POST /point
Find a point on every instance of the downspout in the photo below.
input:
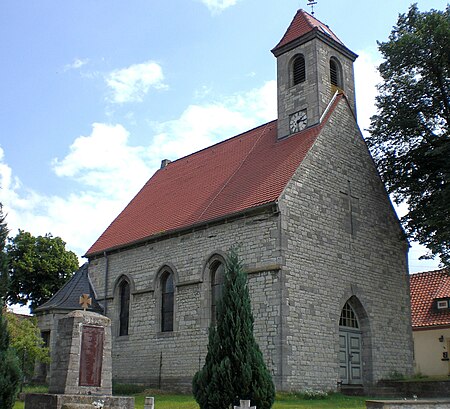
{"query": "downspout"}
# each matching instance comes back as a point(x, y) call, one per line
point(282, 297)
point(105, 292)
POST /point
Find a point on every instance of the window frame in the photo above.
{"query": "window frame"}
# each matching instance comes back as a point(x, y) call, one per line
point(216, 287)
point(298, 72)
point(124, 307)
point(348, 315)
point(336, 78)
point(167, 302)
point(442, 304)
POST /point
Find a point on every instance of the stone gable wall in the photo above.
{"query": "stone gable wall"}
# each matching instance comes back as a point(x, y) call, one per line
point(304, 263)
point(326, 264)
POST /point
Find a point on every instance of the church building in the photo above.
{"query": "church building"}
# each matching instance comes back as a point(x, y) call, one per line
point(302, 201)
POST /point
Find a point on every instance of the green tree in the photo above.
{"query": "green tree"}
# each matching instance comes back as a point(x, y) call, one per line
point(3, 258)
point(38, 267)
point(409, 135)
point(10, 373)
point(25, 338)
point(234, 367)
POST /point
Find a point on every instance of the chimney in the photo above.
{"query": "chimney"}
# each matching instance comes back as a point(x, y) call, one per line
point(164, 163)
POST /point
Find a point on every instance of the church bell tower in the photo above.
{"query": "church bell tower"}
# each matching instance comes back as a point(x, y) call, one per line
point(312, 65)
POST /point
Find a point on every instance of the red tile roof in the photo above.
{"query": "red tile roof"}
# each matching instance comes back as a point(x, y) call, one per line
point(302, 24)
point(425, 289)
point(238, 174)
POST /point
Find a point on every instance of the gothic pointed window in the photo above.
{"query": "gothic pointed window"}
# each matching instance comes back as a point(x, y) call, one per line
point(217, 279)
point(167, 302)
point(298, 70)
point(124, 314)
point(348, 317)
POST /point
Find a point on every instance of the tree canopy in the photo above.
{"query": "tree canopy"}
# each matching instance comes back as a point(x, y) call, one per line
point(3, 258)
point(38, 267)
point(234, 367)
point(10, 373)
point(409, 135)
point(25, 338)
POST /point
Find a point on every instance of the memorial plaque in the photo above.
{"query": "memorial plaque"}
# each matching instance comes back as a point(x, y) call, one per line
point(91, 355)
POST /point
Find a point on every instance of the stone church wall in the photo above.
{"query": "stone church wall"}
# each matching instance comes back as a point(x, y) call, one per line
point(334, 238)
point(335, 251)
point(170, 359)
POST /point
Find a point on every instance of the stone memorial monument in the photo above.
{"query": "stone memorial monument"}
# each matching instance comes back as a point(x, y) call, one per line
point(81, 371)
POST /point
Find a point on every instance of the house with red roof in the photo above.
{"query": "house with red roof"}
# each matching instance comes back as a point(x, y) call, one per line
point(430, 309)
point(301, 200)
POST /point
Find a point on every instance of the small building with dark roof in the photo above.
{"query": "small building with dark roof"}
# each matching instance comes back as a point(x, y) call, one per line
point(430, 309)
point(67, 299)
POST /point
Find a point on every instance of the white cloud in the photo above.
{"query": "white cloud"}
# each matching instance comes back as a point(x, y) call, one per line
point(76, 64)
point(107, 171)
point(202, 125)
point(366, 80)
point(217, 6)
point(131, 84)
point(105, 162)
point(104, 171)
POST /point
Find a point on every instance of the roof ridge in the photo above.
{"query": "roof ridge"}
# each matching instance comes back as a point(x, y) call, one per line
point(220, 142)
point(441, 270)
point(67, 285)
point(234, 173)
point(311, 17)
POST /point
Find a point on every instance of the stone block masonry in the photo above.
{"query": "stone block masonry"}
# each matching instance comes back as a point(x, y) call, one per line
point(331, 238)
point(174, 357)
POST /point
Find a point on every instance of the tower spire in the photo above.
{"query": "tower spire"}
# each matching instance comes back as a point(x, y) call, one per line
point(312, 3)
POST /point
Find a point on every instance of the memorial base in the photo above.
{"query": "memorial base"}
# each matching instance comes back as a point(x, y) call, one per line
point(57, 401)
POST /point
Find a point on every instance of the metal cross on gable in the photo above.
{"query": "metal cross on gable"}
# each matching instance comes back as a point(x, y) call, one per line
point(85, 301)
point(311, 3)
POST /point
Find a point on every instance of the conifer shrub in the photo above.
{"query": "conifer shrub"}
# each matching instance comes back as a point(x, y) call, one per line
point(10, 374)
point(234, 368)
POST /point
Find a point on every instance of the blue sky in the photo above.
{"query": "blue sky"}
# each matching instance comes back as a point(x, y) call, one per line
point(95, 93)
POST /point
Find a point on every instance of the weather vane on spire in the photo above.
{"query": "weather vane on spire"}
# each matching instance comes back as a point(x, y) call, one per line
point(311, 3)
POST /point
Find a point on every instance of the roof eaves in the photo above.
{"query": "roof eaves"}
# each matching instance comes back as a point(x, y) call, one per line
point(315, 32)
point(202, 224)
point(424, 327)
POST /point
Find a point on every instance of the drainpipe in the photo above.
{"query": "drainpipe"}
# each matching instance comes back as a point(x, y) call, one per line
point(282, 297)
point(106, 282)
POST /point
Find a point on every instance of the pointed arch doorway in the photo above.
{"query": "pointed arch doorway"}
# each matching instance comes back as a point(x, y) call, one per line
point(350, 347)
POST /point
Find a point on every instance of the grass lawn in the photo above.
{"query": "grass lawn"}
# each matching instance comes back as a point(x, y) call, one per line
point(282, 401)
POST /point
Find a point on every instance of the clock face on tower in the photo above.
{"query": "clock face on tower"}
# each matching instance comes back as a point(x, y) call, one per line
point(298, 121)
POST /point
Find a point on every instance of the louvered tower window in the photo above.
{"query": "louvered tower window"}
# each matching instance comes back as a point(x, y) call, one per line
point(335, 73)
point(298, 70)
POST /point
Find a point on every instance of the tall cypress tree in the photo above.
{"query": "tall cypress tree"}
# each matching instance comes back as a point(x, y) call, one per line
point(234, 367)
point(10, 374)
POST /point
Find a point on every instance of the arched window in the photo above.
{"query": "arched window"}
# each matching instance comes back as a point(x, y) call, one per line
point(298, 70)
point(217, 279)
point(167, 300)
point(335, 73)
point(124, 314)
point(348, 317)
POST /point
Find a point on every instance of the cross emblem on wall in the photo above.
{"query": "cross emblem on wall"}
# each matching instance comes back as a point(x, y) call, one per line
point(85, 301)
